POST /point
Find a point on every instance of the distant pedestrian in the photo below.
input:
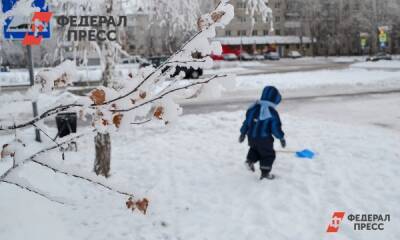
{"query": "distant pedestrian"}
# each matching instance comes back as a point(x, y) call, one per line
point(261, 125)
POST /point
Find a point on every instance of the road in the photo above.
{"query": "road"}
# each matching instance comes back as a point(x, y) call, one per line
point(379, 110)
point(296, 65)
point(246, 68)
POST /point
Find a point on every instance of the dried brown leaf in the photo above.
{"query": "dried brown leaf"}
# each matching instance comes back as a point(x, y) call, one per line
point(158, 112)
point(142, 205)
point(3, 151)
point(117, 119)
point(98, 96)
point(216, 16)
point(104, 122)
point(142, 94)
point(130, 204)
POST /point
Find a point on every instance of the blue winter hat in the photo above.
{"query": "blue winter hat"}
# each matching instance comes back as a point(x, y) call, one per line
point(271, 94)
point(269, 98)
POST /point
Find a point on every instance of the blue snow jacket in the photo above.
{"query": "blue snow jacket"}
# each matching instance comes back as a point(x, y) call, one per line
point(262, 119)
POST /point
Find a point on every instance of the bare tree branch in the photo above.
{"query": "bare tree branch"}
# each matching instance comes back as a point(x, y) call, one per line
point(2, 177)
point(33, 191)
point(83, 178)
point(143, 122)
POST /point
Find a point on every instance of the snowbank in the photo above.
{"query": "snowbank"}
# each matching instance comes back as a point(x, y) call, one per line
point(352, 77)
point(198, 187)
point(394, 64)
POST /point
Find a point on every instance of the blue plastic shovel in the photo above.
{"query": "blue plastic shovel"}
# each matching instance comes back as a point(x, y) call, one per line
point(306, 153)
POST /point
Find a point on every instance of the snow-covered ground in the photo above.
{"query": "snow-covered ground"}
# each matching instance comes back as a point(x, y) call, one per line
point(194, 176)
point(193, 172)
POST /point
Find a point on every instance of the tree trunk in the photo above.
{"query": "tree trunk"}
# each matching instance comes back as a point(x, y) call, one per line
point(103, 154)
point(102, 141)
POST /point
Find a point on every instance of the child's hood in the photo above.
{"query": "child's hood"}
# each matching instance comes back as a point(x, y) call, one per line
point(271, 94)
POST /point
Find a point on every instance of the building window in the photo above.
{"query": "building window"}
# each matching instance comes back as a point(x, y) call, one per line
point(228, 33)
point(255, 33)
point(278, 32)
point(278, 5)
point(242, 33)
point(242, 19)
point(277, 19)
point(266, 32)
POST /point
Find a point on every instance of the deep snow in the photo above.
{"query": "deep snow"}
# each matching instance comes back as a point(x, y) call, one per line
point(198, 187)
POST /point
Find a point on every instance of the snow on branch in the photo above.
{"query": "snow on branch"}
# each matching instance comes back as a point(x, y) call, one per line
point(262, 9)
point(194, 53)
point(161, 96)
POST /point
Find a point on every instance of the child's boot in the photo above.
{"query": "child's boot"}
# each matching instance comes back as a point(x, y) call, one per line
point(250, 165)
point(266, 174)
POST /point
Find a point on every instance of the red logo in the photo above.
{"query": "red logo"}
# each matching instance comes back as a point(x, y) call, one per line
point(337, 218)
point(39, 21)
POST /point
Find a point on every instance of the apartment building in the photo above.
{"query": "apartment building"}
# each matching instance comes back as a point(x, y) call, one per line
point(254, 34)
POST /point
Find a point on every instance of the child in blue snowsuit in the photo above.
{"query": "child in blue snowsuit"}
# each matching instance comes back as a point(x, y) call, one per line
point(261, 124)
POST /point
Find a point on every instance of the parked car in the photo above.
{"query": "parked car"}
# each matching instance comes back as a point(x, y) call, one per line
point(136, 60)
point(274, 56)
point(258, 57)
point(4, 68)
point(217, 57)
point(295, 54)
point(230, 57)
point(157, 61)
point(190, 73)
point(245, 56)
point(380, 56)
